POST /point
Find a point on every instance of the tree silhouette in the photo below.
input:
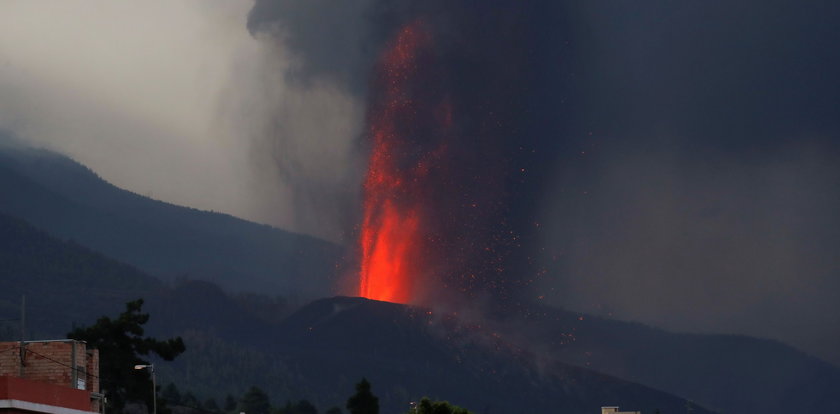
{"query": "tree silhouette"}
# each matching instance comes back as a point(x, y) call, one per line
point(254, 401)
point(121, 343)
point(211, 405)
point(230, 404)
point(428, 406)
point(171, 395)
point(363, 402)
point(305, 407)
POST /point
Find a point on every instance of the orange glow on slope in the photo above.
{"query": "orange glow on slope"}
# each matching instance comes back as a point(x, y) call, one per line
point(390, 238)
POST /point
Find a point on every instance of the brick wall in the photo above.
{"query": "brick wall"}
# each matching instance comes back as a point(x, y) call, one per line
point(52, 362)
point(92, 368)
point(9, 358)
point(93, 383)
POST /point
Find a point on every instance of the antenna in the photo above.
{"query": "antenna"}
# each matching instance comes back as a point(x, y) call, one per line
point(22, 318)
point(22, 334)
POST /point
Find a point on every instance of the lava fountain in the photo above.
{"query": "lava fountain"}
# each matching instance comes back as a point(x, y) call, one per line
point(392, 240)
point(436, 201)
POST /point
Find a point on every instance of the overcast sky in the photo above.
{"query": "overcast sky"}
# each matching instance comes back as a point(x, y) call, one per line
point(694, 176)
point(170, 100)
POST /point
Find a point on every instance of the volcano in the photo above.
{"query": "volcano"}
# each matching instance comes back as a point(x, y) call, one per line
point(541, 360)
point(410, 352)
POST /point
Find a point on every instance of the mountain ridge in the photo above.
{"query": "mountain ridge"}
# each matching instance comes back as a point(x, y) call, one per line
point(412, 352)
point(69, 200)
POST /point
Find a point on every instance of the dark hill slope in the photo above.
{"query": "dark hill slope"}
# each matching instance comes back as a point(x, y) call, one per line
point(727, 373)
point(408, 352)
point(63, 281)
point(68, 200)
point(66, 284)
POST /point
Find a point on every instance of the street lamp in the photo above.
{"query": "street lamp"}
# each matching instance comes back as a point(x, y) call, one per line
point(151, 368)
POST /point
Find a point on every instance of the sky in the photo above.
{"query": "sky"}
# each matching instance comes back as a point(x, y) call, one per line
point(173, 100)
point(681, 163)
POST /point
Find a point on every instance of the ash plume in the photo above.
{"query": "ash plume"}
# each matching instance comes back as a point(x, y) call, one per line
point(627, 159)
point(473, 96)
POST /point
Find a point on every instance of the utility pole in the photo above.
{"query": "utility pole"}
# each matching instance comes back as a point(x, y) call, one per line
point(151, 368)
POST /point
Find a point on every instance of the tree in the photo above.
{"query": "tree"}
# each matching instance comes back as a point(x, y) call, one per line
point(287, 409)
point(254, 401)
point(428, 406)
point(334, 410)
point(189, 400)
point(121, 343)
point(363, 402)
point(211, 405)
point(171, 395)
point(305, 407)
point(300, 407)
point(230, 404)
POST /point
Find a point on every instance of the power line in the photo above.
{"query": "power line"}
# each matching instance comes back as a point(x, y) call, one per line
point(102, 381)
point(77, 369)
point(10, 349)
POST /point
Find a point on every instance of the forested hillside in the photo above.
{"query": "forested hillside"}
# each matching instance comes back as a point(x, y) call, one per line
point(68, 200)
point(64, 283)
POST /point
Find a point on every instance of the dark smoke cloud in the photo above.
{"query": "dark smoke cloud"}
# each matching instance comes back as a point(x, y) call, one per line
point(705, 198)
point(663, 161)
point(333, 40)
point(479, 199)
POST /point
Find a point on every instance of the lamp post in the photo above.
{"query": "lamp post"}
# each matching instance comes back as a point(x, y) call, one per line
point(151, 368)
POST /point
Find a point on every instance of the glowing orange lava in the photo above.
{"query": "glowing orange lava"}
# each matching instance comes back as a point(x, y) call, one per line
point(391, 239)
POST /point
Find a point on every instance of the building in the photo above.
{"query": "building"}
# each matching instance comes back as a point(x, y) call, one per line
point(614, 410)
point(54, 377)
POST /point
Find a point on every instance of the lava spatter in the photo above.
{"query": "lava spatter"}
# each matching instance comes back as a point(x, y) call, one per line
point(391, 241)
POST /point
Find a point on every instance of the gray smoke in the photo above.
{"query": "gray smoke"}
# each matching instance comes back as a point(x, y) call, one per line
point(703, 195)
point(178, 101)
point(713, 244)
